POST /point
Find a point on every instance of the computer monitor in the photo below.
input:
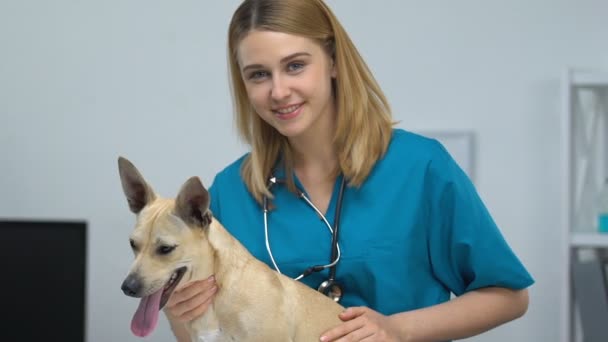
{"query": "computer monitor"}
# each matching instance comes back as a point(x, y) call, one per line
point(43, 271)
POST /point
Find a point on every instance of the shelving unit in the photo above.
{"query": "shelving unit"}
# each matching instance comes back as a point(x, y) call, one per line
point(588, 240)
point(585, 166)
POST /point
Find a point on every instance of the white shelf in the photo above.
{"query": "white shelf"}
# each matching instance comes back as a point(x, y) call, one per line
point(584, 158)
point(589, 240)
point(582, 78)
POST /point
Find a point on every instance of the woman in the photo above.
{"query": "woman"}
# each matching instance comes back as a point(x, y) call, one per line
point(412, 228)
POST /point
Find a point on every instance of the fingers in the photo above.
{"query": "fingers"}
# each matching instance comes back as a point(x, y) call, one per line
point(342, 330)
point(192, 300)
point(363, 334)
point(190, 290)
point(352, 312)
point(360, 324)
point(370, 338)
point(197, 309)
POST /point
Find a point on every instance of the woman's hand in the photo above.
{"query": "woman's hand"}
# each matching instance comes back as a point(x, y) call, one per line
point(191, 301)
point(362, 324)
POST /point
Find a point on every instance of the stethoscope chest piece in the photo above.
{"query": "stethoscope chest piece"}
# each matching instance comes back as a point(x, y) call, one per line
point(331, 289)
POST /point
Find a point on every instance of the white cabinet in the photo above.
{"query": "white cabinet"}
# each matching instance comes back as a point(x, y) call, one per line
point(585, 166)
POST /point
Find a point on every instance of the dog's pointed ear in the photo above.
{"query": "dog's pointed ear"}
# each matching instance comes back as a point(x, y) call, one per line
point(137, 191)
point(192, 203)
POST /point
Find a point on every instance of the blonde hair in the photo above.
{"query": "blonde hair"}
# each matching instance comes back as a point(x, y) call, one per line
point(363, 122)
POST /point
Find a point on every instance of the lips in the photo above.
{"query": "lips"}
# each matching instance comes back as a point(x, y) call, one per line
point(288, 112)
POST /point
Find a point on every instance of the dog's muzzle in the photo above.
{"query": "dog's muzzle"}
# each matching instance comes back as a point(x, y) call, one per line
point(132, 286)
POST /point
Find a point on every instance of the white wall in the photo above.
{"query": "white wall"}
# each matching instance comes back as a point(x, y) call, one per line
point(83, 82)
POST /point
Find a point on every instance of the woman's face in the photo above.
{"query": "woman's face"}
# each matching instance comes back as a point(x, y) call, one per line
point(288, 81)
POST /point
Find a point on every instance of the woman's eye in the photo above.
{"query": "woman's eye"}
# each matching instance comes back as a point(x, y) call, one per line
point(256, 75)
point(164, 250)
point(295, 66)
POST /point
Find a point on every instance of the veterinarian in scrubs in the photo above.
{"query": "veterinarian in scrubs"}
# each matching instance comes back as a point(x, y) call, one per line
point(413, 229)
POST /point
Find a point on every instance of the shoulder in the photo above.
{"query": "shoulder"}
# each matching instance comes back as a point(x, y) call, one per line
point(228, 183)
point(413, 159)
point(408, 148)
point(227, 188)
point(231, 173)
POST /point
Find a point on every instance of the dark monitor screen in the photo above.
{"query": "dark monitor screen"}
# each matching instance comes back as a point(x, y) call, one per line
point(43, 267)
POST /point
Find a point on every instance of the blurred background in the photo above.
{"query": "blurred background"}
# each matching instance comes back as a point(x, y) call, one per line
point(82, 82)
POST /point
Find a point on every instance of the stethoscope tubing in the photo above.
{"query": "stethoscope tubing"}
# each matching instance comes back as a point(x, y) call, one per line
point(334, 257)
point(335, 251)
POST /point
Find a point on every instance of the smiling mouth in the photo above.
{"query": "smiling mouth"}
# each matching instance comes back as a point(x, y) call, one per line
point(285, 113)
point(287, 110)
point(170, 285)
point(145, 318)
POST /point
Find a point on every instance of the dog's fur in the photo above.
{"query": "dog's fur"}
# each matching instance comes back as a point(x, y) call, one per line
point(253, 302)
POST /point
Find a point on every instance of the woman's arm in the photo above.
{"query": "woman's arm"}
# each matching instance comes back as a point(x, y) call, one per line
point(468, 315)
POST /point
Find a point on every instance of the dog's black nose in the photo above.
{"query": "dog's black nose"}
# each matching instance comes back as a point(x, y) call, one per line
point(131, 286)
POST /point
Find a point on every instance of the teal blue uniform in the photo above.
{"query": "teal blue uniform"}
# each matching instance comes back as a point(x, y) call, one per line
point(412, 233)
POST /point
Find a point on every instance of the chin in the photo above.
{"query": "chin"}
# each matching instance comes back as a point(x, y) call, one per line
point(291, 130)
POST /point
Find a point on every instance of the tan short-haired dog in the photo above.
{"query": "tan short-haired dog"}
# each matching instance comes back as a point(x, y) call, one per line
point(176, 239)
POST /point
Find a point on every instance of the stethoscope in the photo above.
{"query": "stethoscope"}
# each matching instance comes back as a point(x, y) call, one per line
point(330, 287)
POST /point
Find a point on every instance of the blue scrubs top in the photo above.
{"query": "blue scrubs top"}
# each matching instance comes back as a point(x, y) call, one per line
point(415, 231)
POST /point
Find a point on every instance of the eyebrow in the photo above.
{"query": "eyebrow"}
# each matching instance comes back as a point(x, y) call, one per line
point(163, 241)
point(283, 60)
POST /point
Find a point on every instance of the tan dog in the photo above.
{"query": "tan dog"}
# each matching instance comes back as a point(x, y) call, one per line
point(177, 239)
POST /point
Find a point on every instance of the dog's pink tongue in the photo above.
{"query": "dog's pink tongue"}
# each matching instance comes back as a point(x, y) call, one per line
point(146, 316)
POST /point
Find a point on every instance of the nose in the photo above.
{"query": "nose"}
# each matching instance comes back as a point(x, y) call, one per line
point(280, 89)
point(132, 286)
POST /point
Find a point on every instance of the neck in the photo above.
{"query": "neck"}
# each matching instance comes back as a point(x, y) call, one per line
point(228, 254)
point(315, 148)
point(316, 156)
point(211, 257)
point(226, 260)
point(204, 266)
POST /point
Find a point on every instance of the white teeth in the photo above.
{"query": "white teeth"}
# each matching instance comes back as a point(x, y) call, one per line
point(171, 280)
point(288, 109)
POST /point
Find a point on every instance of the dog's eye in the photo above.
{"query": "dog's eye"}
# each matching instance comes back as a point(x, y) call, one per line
point(164, 250)
point(133, 246)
